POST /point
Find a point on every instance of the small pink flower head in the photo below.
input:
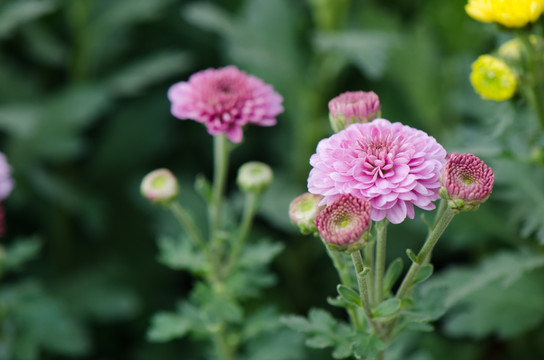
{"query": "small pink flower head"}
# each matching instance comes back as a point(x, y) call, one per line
point(353, 107)
point(303, 211)
point(466, 182)
point(160, 187)
point(389, 164)
point(225, 100)
point(343, 223)
point(6, 181)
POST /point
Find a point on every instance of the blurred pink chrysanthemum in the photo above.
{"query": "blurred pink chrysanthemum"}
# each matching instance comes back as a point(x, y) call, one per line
point(6, 181)
point(389, 164)
point(6, 185)
point(343, 222)
point(353, 107)
point(225, 100)
point(466, 181)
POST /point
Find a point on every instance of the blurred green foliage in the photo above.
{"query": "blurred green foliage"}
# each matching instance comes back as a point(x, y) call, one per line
point(83, 116)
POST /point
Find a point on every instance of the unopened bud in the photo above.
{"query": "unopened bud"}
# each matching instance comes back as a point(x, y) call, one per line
point(344, 222)
point(303, 210)
point(353, 107)
point(254, 177)
point(160, 187)
point(466, 182)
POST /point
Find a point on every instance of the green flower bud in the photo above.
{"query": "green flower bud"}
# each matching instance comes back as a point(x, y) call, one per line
point(254, 177)
point(303, 210)
point(160, 187)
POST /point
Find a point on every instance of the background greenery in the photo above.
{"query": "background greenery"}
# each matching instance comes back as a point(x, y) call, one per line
point(84, 116)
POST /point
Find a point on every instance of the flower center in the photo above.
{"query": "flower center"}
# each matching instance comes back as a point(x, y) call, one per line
point(377, 157)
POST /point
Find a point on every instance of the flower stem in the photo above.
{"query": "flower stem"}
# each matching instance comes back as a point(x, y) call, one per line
point(381, 245)
point(250, 209)
point(425, 252)
point(362, 273)
point(345, 278)
point(221, 161)
point(188, 225)
point(223, 350)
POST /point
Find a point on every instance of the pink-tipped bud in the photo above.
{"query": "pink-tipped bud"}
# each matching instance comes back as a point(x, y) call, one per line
point(160, 187)
point(303, 211)
point(466, 182)
point(343, 223)
point(353, 107)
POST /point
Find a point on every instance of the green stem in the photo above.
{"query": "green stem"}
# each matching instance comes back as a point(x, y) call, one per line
point(345, 278)
point(369, 254)
point(440, 212)
point(250, 209)
point(535, 68)
point(221, 161)
point(188, 225)
point(362, 273)
point(425, 252)
point(381, 245)
point(223, 350)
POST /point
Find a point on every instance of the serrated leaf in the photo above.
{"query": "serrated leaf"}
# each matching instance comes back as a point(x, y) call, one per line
point(392, 274)
point(181, 254)
point(387, 308)
point(297, 323)
point(424, 273)
point(166, 326)
point(259, 254)
point(349, 295)
point(368, 346)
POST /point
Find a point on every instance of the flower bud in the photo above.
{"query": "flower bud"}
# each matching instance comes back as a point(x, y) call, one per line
point(160, 187)
point(466, 182)
point(254, 177)
point(343, 223)
point(492, 78)
point(303, 211)
point(353, 107)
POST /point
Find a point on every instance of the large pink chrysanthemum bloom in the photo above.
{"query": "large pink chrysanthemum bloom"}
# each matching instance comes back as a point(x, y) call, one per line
point(225, 100)
point(343, 223)
point(466, 182)
point(391, 165)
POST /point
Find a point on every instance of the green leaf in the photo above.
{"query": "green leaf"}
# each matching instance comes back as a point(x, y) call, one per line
point(499, 309)
point(424, 273)
point(297, 323)
point(181, 254)
point(259, 254)
point(210, 17)
point(14, 14)
point(392, 274)
point(166, 326)
point(349, 295)
point(368, 346)
point(412, 255)
point(20, 252)
point(282, 344)
point(387, 308)
point(367, 49)
point(204, 188)
point(135, 77)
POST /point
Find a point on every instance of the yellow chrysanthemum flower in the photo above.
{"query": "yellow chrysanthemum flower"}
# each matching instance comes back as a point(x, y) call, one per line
point(510, 13)
point(492, 78)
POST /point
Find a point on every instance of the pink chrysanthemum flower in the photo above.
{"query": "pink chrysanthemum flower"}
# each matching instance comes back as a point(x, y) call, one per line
point(353, 107)
point(466, 182)
point(225, 100)
point(343, 223)
point(6, 185)
point(6, 181)
point(391, 165)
